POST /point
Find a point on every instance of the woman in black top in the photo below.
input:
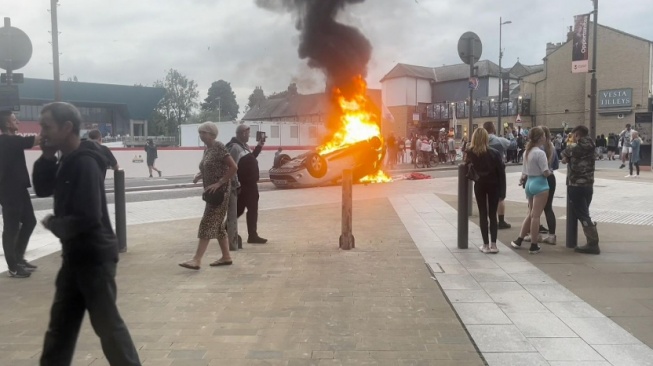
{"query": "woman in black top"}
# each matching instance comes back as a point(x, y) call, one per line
point(490, 187)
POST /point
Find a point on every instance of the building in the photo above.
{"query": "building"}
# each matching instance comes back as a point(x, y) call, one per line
point(115, 110)
point(422, 99)
point(624, 83)
point(294, 119)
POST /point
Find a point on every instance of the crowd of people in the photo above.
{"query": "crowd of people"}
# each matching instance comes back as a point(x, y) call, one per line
point(72, 171)
point(422, 150)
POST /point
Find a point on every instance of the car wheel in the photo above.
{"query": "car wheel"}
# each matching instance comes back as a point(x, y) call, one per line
point(316, 165)
point(281, 160)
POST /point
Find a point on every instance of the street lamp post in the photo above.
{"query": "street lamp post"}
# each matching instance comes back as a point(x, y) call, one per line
point(501, 23)
point(593, 71)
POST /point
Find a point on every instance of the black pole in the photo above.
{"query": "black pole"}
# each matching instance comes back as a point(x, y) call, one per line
point(9, 71)
point(593, 81)
point(463, 218)
point(121, 209)
point(469, 128)
point(55, 50)
point(572, 225)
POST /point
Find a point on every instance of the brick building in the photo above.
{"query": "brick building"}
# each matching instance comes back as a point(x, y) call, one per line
point(625, 69)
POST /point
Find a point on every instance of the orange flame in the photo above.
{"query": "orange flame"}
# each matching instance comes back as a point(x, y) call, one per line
point(358, 123)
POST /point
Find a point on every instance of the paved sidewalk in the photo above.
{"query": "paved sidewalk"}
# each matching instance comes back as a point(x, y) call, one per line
point(297, 301)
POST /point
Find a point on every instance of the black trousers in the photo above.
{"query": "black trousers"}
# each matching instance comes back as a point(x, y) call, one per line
point(89, 287)
point(487, 200)
point(18, 224)
point(248, 199)
point(581, 198)
point(548, 209)
point(630, 166)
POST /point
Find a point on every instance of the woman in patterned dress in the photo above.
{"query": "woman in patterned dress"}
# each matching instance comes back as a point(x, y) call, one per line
point(216, 170)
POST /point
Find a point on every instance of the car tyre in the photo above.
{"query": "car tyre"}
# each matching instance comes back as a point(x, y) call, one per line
point(316, 165)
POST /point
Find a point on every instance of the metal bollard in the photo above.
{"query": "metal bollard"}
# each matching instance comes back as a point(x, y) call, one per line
point(463, 215)
point(347, 240)
point(572, 224)
point(121, 209)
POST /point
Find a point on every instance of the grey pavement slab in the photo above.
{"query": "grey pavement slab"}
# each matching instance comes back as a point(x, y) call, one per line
point(298, 300)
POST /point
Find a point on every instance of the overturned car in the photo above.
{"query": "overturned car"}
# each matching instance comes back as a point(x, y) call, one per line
point(312, 169)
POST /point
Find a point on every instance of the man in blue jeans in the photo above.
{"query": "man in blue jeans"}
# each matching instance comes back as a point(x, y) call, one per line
point(17, 211)
point(579, 157)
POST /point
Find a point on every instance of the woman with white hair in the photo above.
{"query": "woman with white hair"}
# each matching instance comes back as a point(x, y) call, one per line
point(216, 170)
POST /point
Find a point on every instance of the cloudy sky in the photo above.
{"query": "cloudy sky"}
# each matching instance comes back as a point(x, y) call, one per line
point(131, 42)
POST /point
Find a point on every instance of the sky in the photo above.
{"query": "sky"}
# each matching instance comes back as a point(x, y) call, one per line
point(135, 42)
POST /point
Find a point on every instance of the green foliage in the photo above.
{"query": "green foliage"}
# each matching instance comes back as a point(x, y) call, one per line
point(257, 97)
point(221, 99)
point(177, 105)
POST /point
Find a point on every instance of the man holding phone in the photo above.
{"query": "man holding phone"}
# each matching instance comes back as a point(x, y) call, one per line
point(247, 183)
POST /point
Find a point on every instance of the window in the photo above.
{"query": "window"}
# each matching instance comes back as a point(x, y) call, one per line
point(274, 132)
point(294, 132)
point(312, 132)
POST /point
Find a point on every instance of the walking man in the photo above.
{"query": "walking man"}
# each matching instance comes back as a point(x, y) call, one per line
point(626, 149)
point(248, 176)
point(500, 144)
point(152, 155)
point(579, 157)
point(17, 211)
point(86, 280)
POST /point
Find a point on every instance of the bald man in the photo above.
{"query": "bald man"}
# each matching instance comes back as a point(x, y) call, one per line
point(247, 183)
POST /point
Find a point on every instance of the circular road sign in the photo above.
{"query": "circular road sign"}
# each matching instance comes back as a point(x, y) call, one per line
point(15, 48)
point(470, 48)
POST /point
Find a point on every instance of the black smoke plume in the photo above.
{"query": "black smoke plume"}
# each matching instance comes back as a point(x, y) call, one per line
point(341, 51)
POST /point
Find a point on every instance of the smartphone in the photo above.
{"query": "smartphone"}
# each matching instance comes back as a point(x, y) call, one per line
point(260, 136)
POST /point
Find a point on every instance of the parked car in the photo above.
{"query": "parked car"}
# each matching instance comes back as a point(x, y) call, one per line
point(312, 169)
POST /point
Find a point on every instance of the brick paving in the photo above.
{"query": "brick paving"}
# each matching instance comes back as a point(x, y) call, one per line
point(296, 301)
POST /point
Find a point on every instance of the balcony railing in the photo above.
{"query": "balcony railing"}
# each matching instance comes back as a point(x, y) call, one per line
point(481, 108)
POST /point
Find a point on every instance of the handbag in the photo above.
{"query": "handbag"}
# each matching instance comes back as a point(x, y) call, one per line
point(215, 198)
point(472, 174)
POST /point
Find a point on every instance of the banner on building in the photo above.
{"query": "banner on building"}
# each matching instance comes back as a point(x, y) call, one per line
point(580, 46)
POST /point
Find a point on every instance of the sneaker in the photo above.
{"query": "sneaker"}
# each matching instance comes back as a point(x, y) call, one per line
point(622, 166)
point(256, 240)
point(543, 230)
point(627, 176)
point(529, 239)
point(27, 265)
point(485, 249)
point(20, 272)
point(503, 225)
point(160, 173)
point(494, 249)
point(549, 239)
point(636, 176)
point(516, 243)
point(534, 249)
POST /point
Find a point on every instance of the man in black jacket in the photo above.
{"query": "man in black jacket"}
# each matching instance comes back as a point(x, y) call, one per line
point(86, 280)
point(248, 175)
point(17, 211)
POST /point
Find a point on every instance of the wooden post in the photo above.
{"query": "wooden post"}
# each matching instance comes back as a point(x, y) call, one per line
point(347, 240)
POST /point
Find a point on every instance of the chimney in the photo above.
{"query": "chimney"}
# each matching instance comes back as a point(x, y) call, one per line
point(570, 34)
point(550, 47)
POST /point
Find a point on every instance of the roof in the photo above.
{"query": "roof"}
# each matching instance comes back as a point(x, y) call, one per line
point(520, 70)
point(486, 68)
point(297, 105)
point(139, 101)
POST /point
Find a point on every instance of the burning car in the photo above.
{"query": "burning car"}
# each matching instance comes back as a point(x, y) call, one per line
point(316, 169)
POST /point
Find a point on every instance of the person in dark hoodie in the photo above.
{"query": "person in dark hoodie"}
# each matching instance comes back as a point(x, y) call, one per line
point(579, 157)
point(248, 176)
point(86, 280)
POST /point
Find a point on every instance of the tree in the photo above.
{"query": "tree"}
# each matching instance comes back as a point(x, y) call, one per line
point(222, 99)
point(177, 105)
point(257, 97)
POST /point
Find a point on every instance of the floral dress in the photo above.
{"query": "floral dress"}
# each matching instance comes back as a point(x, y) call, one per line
point(213, 168)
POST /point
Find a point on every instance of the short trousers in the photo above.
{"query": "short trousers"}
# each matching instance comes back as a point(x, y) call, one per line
point(536, 185)
point(626, 150)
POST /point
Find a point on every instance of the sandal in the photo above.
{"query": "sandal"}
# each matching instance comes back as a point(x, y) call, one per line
point(221, 262)
point(191, 264)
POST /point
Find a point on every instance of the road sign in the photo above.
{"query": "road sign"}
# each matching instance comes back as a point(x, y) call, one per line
point(9, 100)
point(15, 78)
point(15, 47)
point(473, 83)
point(470, 48)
